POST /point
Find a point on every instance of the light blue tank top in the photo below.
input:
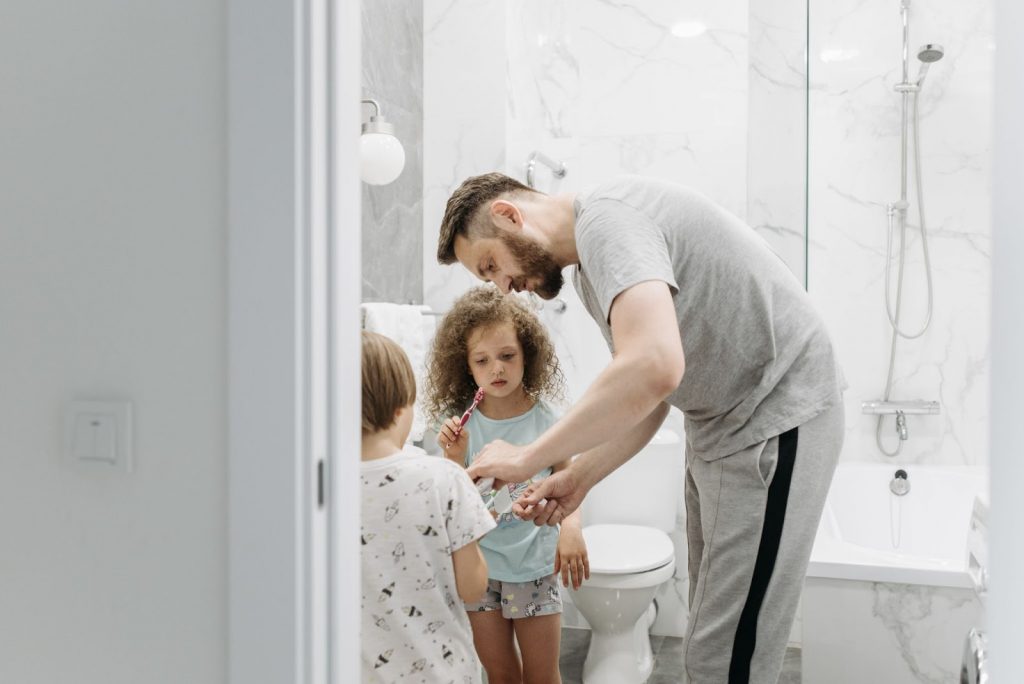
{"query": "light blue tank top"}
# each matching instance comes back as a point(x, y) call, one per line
point(516, 550)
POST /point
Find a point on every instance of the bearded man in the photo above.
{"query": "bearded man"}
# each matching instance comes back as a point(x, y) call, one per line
point(699, 314)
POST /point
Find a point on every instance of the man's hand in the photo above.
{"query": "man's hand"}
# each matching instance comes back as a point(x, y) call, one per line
point(503, 461)
point(551, 500)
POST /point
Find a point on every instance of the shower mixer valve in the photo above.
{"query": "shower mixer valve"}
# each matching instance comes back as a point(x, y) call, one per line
point(901, 425)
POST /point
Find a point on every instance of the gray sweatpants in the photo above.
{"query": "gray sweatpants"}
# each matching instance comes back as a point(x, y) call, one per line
point(751, 519)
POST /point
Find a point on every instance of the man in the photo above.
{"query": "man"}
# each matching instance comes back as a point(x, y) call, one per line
point(701, 315)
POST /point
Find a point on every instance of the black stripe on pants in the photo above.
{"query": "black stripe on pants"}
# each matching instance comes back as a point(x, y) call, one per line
point(767, 551)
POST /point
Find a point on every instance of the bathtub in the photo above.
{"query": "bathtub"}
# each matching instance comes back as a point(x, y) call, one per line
point(887, 596)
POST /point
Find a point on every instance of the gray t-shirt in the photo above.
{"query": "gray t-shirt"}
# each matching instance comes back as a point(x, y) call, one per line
point(758, 358)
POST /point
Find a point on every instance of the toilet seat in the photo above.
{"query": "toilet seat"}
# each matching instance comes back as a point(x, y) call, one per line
point(626, 549)
point(627, 557)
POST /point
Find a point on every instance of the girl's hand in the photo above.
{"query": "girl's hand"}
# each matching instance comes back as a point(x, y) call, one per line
point(454, 447)
point(571, 555)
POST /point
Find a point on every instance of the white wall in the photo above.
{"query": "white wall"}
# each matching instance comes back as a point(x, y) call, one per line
point(112, 284)
point(1006, 600)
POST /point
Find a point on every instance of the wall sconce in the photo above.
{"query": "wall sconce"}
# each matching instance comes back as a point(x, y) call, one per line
point(381, 155)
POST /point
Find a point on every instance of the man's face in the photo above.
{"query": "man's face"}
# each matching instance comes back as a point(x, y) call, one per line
point(512, 262)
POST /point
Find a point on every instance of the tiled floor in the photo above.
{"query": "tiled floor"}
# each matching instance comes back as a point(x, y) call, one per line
point(668, 659)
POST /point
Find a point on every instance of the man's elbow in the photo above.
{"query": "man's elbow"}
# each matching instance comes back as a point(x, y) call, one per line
point(664, 371)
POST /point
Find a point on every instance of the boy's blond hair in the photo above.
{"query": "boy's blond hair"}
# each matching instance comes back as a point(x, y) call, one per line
point(388, 382)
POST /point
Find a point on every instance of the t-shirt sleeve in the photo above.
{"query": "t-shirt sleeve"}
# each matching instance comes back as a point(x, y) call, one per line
point(466, 517)
point(620, 247)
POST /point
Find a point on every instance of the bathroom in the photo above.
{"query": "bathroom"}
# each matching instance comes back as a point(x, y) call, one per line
point(781, 142)
point(144, 265)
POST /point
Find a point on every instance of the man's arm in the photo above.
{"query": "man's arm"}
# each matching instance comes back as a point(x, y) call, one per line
point(647, 366)
point(564, 491)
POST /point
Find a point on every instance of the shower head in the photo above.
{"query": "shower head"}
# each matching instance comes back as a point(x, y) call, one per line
point(930, 53)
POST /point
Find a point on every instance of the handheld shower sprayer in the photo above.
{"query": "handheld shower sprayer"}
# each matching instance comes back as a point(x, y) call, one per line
point(928, 55)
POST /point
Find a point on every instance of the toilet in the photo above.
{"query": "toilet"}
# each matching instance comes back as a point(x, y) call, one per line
point(626, 521)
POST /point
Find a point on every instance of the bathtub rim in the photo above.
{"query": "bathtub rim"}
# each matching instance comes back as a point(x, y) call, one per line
point(833, 558)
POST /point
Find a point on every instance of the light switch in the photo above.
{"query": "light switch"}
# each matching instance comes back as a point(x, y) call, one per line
point(98, 434)
point(95, 437)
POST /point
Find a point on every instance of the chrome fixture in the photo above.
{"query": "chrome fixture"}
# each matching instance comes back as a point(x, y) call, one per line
point(381, 154)
point(897, 211)
point(928, 55)
point(899, 484)
point(974, 666)
point(557, 168)
point(916, 407)
point(901, 425)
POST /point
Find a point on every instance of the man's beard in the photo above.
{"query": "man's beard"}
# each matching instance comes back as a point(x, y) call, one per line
point(536, 263)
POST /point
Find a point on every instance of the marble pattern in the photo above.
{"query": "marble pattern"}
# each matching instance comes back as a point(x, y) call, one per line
point(609, 89)
point(853, 174)
point(393, 214)
point(463, 119)
point(777, 145)
point(858, 632)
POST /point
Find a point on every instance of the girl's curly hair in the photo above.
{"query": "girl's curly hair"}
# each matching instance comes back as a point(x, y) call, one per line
point(449, 383)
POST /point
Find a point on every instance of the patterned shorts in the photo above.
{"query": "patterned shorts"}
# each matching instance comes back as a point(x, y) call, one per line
point(521, 599)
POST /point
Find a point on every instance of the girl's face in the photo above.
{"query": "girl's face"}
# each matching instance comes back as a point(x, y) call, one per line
point(496, 359)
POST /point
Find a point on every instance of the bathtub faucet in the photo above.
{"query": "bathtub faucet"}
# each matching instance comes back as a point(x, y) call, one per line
point(901, 425)
point(899, 485)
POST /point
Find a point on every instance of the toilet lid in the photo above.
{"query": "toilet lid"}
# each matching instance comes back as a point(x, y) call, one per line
point(626, 549)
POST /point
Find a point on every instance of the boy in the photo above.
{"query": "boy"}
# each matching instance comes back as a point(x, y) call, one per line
point(421, 517)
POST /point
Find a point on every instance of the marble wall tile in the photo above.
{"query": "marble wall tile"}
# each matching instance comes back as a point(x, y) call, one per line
point(609, 89)
point(853, 174)
point(777, 145)
point(855, 632)
point(463, 119)
point(393, 214)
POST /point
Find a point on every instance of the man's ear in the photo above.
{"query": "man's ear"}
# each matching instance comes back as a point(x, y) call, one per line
point(506, 215)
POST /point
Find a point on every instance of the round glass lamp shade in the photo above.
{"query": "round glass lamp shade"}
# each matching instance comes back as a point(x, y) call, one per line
point(382, 158)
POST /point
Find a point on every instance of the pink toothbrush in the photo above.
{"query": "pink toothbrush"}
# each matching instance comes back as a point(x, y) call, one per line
point(477, 398)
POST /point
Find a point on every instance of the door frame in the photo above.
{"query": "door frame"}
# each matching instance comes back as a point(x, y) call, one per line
point(293, 300)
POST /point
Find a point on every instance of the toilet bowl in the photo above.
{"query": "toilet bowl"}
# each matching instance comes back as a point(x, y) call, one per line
point(627, 565)
point(626, 518)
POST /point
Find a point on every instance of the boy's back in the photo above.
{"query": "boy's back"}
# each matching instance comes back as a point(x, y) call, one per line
point(416, 511)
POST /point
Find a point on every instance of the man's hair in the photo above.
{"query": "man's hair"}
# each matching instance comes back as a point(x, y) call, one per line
point(464, 204)
point(388, 382)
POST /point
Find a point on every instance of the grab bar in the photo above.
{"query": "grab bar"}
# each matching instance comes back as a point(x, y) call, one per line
point(557, 168)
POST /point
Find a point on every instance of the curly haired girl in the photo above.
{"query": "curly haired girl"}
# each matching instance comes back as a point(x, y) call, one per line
point(494, 343)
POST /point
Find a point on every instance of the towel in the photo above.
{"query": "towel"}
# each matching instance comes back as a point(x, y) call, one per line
point(407, 325)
